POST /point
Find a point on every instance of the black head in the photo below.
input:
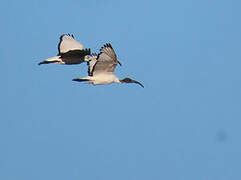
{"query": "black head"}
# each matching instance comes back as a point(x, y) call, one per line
point(129, 80)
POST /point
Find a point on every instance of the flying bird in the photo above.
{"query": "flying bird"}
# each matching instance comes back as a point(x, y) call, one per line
point(70, 51)
point(101, 68)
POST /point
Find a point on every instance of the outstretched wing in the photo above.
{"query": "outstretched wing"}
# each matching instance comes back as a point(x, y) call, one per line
point(106, 60)
point(67, 43)
point(91, 63)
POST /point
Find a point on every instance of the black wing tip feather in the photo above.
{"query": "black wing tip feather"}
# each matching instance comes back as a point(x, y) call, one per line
point(86, 51)
point(106, 45)
point(61, 37)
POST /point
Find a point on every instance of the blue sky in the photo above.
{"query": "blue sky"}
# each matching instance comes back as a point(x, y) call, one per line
point(184, 125)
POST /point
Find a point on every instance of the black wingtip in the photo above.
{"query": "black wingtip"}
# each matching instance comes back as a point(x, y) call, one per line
point(106, 45)
point(66, 34)
point(88, 51)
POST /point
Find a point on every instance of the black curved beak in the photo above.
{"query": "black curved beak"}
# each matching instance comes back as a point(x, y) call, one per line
point(129, 80)
point(119, 63)
point(133, 81)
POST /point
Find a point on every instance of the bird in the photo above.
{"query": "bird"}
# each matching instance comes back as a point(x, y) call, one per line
point(101, 68)
point(70, 51)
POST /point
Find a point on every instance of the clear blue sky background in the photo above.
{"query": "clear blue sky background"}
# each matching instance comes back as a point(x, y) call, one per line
point(184, 125)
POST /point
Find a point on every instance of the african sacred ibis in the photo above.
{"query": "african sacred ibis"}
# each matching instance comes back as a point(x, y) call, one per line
point(101, 68)
point(70, 52)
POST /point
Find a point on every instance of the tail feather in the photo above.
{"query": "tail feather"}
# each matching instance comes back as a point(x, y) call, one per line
point(55, 59)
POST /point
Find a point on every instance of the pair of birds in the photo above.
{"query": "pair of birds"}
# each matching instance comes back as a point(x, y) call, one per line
point(100, 66)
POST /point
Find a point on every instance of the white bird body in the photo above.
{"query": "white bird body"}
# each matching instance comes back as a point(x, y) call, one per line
point(70, 51)
point(102, 78)
point(101, 68)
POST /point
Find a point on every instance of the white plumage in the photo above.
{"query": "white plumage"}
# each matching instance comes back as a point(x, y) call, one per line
point(70, 51)
point(67, 42)
point(101, 68)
